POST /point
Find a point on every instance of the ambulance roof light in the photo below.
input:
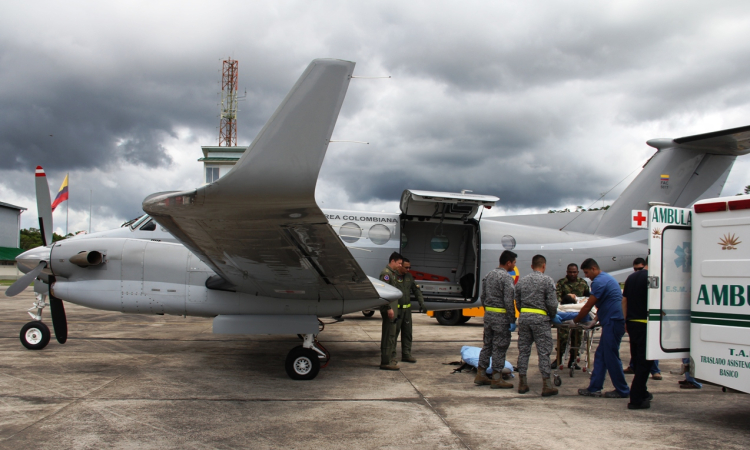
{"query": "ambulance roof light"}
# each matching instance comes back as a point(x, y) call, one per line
point(734, 205)
point(710, 207)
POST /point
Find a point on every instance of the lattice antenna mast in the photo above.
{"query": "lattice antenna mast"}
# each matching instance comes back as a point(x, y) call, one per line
point(228, 124)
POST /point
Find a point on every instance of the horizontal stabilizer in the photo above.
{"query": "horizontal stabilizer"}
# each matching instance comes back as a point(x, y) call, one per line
point(734, 141)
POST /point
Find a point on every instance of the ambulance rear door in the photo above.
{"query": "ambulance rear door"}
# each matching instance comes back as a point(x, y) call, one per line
point(720, 328)
point(670, 264)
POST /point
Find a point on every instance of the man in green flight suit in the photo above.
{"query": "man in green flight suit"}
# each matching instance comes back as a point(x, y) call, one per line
point(567, 289)
point(406, 283)
point(389, 313)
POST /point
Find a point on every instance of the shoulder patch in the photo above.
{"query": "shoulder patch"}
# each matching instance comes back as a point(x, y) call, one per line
point(386, 278)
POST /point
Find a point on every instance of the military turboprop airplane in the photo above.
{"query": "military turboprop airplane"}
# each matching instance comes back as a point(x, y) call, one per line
point(254, 251)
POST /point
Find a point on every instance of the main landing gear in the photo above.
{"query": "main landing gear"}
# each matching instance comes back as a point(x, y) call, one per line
point(305, 361)
point(35, 335)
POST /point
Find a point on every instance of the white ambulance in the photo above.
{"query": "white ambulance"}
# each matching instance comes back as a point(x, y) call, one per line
point(699, 296)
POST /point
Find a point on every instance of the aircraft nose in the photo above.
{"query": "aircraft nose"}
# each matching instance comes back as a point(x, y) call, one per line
point(28, 260)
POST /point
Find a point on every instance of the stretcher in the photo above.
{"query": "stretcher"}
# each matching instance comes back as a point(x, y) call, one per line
point(588, 329)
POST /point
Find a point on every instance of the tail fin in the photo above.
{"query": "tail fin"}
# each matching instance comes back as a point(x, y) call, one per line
point(681, 172)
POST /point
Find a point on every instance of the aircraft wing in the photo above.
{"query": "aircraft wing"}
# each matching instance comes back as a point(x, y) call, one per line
point(259, 227)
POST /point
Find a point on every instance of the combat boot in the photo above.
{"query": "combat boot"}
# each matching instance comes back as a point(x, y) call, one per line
point(523, 387)
point(482, 379)
point(547, 389)
point(498, 382)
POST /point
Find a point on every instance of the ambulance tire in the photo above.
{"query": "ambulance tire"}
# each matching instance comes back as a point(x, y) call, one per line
point(449, 317)
point(367, 313)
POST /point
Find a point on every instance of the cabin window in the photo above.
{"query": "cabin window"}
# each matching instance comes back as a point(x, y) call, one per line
point(350, 232)
point(439, 244)
point(212, 174)
point(404, 240)
point(379, 234)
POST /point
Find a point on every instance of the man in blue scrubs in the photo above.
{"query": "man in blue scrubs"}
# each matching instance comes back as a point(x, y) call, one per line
point(607, 296)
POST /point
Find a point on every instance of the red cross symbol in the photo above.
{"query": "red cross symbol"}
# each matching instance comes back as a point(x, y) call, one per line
point(639, 218)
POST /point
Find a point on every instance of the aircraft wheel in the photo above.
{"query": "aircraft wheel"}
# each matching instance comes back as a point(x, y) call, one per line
point(368, 313)
point(35, 335)
point(302, 363)
point(450, 317)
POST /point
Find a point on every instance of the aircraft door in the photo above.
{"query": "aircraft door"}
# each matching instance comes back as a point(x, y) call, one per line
point(131, 284)
point(670, 264)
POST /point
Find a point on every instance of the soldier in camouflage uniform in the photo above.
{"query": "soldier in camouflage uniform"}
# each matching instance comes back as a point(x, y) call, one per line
point(406, 283)
point(537, 303)
point(499, 312)
point(389, 313)
point(570, 285)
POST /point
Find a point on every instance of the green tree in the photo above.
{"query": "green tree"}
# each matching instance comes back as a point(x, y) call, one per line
point(32, 238)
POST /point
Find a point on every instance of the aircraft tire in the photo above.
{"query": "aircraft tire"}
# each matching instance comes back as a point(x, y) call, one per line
point(449, 317)
point(368, 313)
point(302, 363)
point(35, 335)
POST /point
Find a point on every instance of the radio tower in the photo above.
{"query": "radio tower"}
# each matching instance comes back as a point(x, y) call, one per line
point(228, 125)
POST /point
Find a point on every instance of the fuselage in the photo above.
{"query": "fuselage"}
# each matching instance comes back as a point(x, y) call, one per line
point(145, 270)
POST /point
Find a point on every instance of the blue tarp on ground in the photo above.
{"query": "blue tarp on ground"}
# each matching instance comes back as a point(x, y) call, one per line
point(470, 355)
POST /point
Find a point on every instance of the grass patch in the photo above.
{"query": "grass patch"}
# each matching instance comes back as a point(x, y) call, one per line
point(9, 282)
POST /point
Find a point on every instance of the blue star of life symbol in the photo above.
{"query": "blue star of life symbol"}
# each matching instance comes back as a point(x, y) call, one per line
point(684, 259)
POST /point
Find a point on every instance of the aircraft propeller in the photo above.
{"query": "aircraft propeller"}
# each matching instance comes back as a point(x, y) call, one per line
point(23, 282)
point(44, 208)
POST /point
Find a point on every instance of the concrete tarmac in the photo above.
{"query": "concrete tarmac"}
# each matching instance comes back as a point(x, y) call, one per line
point(139, 381)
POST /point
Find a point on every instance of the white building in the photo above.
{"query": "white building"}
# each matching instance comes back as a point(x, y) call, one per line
point(10, 225)
point(218, 160)
point(10, 239)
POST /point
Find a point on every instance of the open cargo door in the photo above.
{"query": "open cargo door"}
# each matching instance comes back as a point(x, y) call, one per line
point(441, 237)
point(445, 205)
point(670, 264)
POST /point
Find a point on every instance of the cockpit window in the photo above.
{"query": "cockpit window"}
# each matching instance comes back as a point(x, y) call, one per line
point(150, 226)
point(132, 222)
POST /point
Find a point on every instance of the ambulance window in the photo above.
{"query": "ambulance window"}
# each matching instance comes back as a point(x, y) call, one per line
point(439, 244)
point(350, 232)
point(379, 234)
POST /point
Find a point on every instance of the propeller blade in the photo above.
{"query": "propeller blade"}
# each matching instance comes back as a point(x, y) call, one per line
point(23, 282)
point(43, 206)
point(59, 321)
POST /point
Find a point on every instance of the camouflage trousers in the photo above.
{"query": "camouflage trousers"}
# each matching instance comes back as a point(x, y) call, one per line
point(562, 343)
point(541, 334)
point(496, 343)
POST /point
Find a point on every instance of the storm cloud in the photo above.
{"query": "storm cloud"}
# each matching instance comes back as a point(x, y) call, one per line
point(546, 105)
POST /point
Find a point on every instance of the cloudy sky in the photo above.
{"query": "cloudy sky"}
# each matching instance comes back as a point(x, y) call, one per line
point(545, 104)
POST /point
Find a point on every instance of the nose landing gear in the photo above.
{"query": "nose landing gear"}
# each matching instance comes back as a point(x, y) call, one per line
point(35, 335)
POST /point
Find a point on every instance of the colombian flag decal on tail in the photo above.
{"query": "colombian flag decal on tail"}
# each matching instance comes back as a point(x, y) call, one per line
point(62, 195)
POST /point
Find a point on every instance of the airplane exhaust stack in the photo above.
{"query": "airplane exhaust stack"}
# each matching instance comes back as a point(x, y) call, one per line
point(85, 259)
